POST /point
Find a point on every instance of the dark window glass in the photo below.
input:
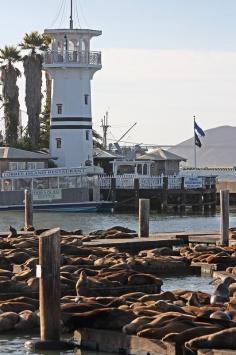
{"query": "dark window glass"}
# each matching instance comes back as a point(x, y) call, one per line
point(59, 109)
point(86, 99)
point(58, 141)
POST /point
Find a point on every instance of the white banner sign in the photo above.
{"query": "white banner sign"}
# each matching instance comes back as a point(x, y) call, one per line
point(47, 194)
point(46, 172)
point(192, 182)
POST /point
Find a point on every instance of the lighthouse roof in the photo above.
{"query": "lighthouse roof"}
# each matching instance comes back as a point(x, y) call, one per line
point(73, 32)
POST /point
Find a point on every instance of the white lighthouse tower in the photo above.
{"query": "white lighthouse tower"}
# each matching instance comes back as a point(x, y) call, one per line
point(71, 65)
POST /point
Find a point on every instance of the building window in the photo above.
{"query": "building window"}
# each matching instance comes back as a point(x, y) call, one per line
point(33, 165)
point(59, 109)
point(20, 165)
point(87, 135)
point(58, 142)
point(86, 99)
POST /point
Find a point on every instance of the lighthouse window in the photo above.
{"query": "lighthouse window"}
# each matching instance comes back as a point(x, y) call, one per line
point(87, 135)
point(58, 142)
point(59, 109)
point(86, 99)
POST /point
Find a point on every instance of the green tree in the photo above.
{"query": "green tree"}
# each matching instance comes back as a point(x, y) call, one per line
point(97, 140)
point(10, 55)
point(35, 43)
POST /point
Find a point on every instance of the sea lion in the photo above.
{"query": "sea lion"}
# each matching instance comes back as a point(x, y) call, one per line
point(220, 315)
point(174, 326)
point(13, 233)
point(28, 320)
point(132, 327)
point(164, 296)
point(165, 318)
point(180, 338)
point(16, 307)
point(221, 293)
point(162, 306)
point(144, 279)
point(8, 321)
point(106, 318)
point(224, 339)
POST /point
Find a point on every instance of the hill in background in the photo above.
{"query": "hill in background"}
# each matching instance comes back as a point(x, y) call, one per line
point(218, 149)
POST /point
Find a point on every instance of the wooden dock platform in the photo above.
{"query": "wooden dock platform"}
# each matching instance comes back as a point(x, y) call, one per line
point(119, 343)
point(158, 240)
point(216, 352)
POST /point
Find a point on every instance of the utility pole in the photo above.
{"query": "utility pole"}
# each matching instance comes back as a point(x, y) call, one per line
point(105, 127)
point(71, 15)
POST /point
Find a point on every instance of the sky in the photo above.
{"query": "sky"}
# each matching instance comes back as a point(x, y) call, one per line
point(163, 61)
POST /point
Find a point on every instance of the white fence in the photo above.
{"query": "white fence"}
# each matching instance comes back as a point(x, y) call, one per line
point(154, 182)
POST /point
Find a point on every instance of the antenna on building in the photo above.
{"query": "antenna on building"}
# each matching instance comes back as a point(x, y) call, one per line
point(105, 127)
point(71, 15)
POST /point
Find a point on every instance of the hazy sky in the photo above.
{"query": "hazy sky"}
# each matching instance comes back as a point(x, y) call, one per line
point(163, 60)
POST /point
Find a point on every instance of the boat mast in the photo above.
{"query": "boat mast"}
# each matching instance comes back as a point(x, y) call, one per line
point(71, 15)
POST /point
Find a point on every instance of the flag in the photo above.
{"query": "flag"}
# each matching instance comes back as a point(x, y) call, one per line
point(197, 141)
point(198, 129)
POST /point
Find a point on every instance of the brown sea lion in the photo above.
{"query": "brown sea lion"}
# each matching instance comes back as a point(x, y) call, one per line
point(162, 306)
point(133, 296)
point(163, 318)
point(28, 320)
point(186, 335)
point(174, 326)
point(79, 307)
point(8, 321)
point(224, 339)
point(16, 307)
point(144, 279)
point(146, 312)
point(164, 296)
point(132, 327)
point(106, 318)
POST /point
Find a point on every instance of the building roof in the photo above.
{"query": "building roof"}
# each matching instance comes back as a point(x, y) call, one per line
point(104, 154)
point(160, 154)
point(14, 153)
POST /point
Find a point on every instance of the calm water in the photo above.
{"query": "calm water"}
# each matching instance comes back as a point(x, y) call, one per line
point(88, 222)
point(91, 221)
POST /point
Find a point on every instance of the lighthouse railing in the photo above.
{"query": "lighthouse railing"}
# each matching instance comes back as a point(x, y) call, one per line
point(80, 57)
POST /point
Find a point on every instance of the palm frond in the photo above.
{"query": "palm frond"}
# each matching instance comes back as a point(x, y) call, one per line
point(10, 54)
point(35, 40)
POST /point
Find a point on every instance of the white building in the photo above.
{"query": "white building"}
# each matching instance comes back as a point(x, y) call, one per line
point(71, 66)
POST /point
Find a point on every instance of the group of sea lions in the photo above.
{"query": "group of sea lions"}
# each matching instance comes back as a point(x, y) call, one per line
point(210, 254)
point(105, 288)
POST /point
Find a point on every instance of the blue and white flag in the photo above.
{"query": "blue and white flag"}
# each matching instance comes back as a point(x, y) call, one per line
point(198, 129)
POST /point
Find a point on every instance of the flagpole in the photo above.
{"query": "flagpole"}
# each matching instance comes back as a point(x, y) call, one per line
point(194, 144)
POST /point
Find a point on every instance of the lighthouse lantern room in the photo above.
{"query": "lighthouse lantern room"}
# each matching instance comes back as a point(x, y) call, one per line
point(71, 66)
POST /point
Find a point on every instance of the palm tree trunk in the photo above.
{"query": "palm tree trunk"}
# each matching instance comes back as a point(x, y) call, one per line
point(33, 98)
point(11, 104)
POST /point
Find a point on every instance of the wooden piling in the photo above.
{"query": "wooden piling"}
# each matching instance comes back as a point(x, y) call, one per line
point(28, 209)
point(50, 285)
point(144, 210)
point(165, 194)
point(113, 189)
point(136, 193)
point(224, 217)
point(48, 272)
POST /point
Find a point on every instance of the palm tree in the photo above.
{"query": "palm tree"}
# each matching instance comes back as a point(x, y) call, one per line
point(32, 62)
point(10, 92)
